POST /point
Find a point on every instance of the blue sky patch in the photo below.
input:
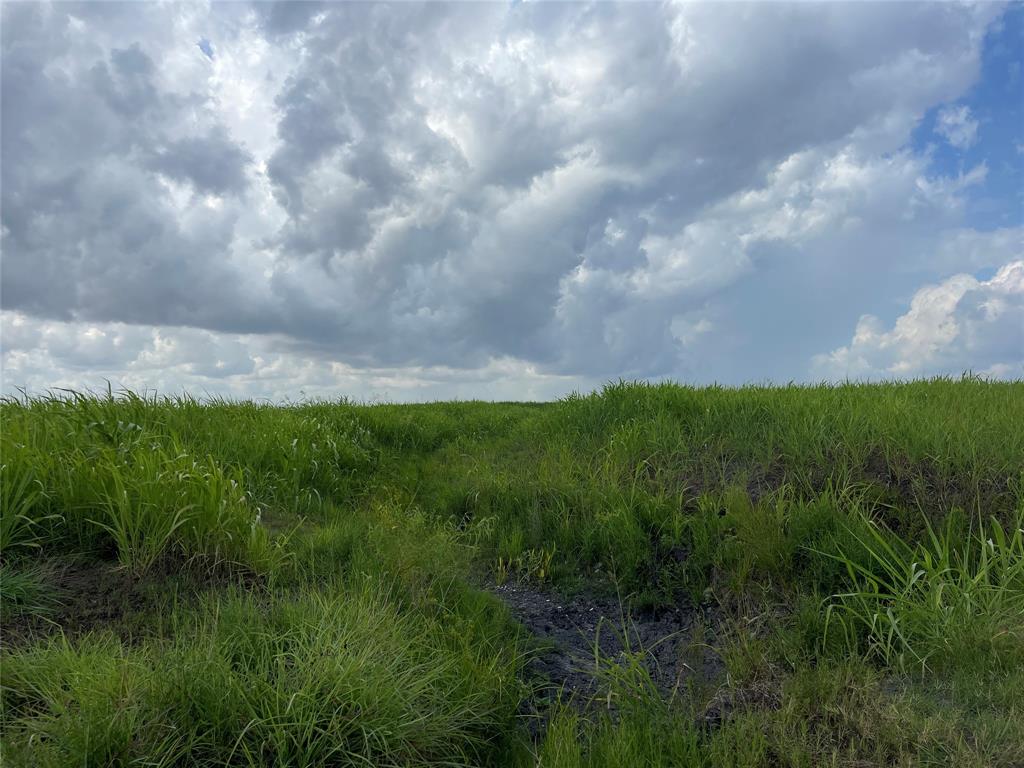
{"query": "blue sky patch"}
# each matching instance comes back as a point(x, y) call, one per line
point(994, 106)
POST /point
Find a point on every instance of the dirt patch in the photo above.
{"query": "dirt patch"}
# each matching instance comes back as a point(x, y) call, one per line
point(580, 633)
point(758, 694)
point(83, 597)
point(765, 480)
point(889, 481)
point(78, 598)
point(897, 482)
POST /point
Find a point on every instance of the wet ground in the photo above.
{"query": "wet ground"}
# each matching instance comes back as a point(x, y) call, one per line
point(581, 634)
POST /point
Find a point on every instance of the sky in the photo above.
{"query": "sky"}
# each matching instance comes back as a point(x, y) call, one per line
point(507, 201)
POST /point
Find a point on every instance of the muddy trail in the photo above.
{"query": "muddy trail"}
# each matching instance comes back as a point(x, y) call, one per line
point(582, 635)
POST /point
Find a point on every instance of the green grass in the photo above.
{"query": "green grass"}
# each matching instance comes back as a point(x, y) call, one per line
point(311, 680)
point(861, 547)
point(940, 600)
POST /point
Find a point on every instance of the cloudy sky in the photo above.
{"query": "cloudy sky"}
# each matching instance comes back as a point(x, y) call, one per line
point(508, 201)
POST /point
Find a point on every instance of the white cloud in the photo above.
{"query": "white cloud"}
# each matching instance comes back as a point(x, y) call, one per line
point(40, 355)
point(959, 324)
point(957, 126)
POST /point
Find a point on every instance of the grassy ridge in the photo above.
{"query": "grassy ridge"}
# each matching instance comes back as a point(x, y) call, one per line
point(862, 547)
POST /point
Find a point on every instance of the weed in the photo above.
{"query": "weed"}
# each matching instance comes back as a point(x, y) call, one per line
point(530, 565)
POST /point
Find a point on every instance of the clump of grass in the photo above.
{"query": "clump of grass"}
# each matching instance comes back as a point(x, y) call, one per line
point(318, 680)
point(940, 601)
point(75, 478)
point(653, 738)
point(531, 565)
point(629, 723)
point(20, 490)
point(141, 530)
point(24, 591)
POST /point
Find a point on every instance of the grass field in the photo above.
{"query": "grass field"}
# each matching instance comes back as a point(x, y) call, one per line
point(224, 583)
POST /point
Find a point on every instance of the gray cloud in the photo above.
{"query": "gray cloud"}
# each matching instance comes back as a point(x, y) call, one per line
point(592, 190)
point(90, 144)
point(213, 163)
point(126, 85)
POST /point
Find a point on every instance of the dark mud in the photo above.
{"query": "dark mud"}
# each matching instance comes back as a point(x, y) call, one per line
point(583, 634)
point(79, 598)
point(84, 597)
point(890, 482)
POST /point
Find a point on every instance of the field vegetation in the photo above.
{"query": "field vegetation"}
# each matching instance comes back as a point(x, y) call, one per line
point(218, 583)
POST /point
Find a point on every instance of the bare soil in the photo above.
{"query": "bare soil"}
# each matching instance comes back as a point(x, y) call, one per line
point(86, 597)
point(580, 634)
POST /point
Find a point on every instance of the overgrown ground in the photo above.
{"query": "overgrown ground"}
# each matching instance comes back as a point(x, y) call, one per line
point(649, 575)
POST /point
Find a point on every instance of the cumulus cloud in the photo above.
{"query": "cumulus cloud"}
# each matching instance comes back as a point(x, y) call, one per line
point(959, 324)
point(580, 191)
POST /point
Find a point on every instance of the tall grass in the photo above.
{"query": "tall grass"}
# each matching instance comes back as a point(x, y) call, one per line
point(940, 601)
point(19, 492)
point(836, 540)
point(82, 474)
point(319, 680)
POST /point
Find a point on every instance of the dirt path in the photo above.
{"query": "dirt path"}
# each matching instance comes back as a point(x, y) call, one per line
point(671, 642)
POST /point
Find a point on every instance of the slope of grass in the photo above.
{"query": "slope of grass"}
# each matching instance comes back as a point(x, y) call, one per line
point(861, 548)
point(344, 678)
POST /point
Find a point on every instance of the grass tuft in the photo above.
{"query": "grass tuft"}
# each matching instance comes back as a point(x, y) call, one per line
point(940, 601)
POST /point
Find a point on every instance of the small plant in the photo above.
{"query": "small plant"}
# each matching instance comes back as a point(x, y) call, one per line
point(625, 678)
point(531, 565)
point(142, 531)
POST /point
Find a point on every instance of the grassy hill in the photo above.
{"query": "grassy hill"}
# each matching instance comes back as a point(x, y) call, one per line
point(839, 572)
